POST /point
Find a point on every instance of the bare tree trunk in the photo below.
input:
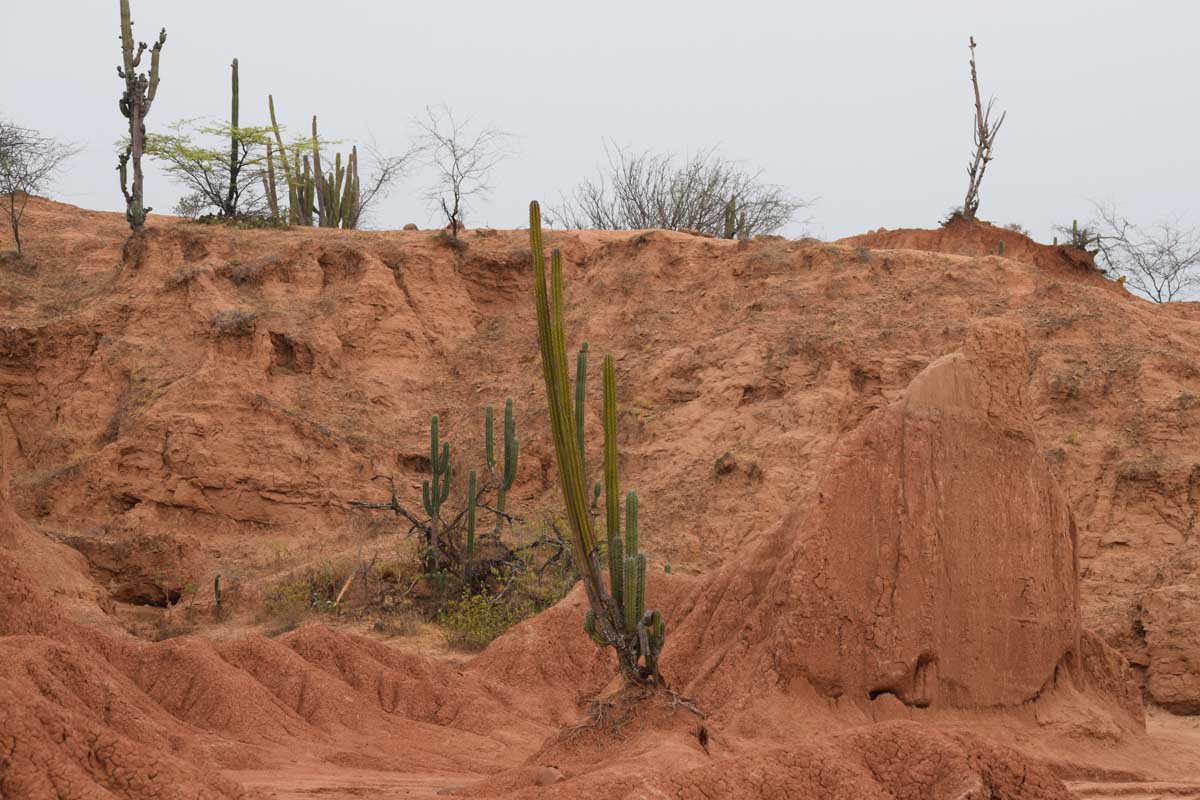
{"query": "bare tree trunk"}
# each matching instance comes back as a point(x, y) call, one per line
point(985, 137)
point(14, 220)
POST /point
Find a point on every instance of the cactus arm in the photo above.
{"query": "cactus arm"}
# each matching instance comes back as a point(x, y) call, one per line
point(489, 450)
point(446, 473)
point(293, 205)
point(470, 526)
point(616, 571)
point(631, 524)
point(630, 591)
point(580, 399)
point(511, 445)
point(612, 499)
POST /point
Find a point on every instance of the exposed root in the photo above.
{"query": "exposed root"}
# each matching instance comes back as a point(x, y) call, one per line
point(611, 717)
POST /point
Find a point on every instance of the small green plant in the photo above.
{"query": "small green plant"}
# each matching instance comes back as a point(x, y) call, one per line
point(474, 620)
point(1083, 238)
point(1073, 439)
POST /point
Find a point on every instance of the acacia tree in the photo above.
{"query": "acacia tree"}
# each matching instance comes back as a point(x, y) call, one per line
point(462, 160)
point(641, 189)
point(28, 163)
point(196, 155)
point(1159, 262)
point(986, 129)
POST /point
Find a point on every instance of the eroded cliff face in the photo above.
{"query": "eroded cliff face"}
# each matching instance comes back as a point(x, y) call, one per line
point(221, 398)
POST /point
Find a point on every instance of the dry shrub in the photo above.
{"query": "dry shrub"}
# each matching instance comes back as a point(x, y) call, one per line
point(233, 322)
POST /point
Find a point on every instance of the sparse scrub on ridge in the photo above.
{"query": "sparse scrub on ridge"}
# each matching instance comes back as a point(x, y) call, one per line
point(704, 193)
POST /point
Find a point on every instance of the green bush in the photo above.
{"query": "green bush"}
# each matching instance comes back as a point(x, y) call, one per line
point(474, 620)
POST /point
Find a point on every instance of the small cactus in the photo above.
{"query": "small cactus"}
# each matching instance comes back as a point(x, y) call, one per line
point(508, 473)
point(435, 492)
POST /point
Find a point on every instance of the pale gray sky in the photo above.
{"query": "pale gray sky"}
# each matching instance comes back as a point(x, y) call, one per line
point(864, 105)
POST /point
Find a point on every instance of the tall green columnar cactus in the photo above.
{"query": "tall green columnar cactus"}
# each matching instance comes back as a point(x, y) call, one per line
point(731, 222)
point(434, 494)
point(231, 192)
point(612, 497)
point(288, 174)
point(508, 471)
point(470, 548)
point(616, 620)
point(269, 185)
point(138, 97)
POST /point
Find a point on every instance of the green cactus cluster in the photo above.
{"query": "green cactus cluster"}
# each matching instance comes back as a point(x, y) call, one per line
point(331, 200)
point(337, 191)
point(617, 616)
point(508, 465)
point(435, 491)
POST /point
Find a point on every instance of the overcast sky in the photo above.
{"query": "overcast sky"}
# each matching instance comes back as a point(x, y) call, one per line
point(863, 106)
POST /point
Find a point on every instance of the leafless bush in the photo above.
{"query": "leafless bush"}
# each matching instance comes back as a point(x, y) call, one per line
point(1159, 262)
point(461, 158)
point(28, 162)
point(644, 189)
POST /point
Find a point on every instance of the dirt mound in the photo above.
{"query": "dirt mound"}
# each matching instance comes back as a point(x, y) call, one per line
point(935, 561)
point(975, 238)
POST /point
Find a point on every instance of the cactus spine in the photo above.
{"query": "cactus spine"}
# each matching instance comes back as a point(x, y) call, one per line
point(135, 104)
point(434, 494)
point(619, 621)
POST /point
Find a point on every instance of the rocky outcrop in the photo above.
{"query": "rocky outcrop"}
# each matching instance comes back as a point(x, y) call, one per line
point(935, 561)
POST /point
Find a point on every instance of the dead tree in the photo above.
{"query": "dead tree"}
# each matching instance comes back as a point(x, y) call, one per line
point(135, 104)
point(462, 161)
point(28, 163)
point(985, 137)
point(1161, 262)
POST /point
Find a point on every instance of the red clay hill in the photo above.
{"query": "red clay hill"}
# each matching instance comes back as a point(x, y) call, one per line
point(929, 511)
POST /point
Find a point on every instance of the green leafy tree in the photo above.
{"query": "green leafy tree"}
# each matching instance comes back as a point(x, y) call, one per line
point(198, 156)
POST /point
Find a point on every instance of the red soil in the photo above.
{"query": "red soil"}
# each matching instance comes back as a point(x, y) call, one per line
point(893, 570)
